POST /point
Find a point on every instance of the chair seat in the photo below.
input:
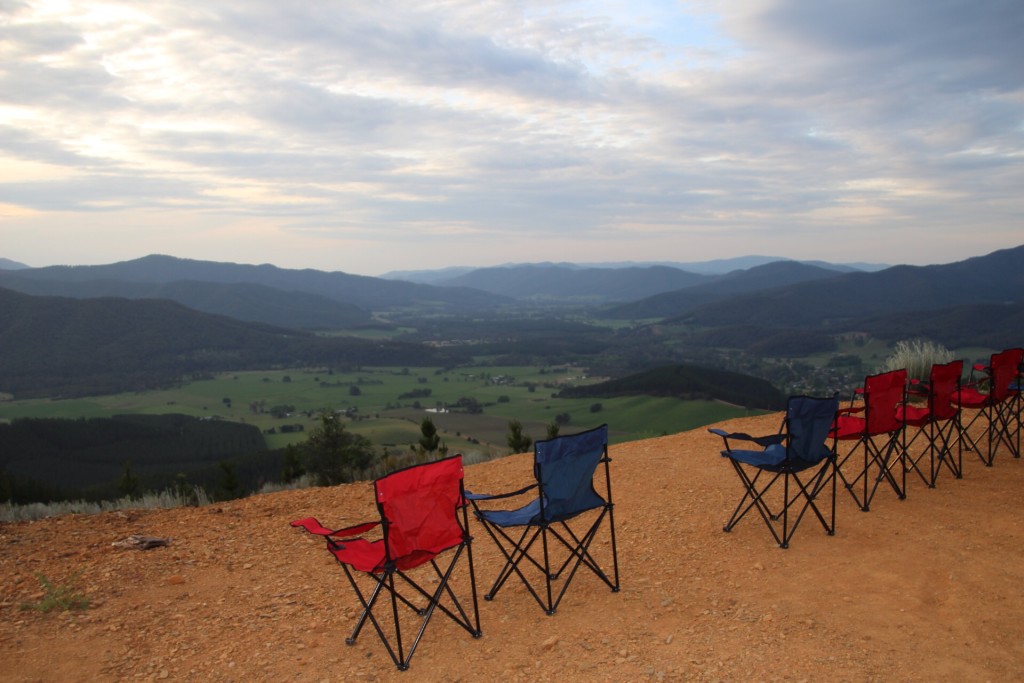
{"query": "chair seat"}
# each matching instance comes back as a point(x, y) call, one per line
point(360, 554)
point(849, 427)
point(972, 398)
point(915, 416)
point(772, 459)
point(527, 514)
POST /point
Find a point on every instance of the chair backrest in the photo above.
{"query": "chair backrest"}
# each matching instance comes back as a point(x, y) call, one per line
point(882, 394)
point(808, 423)
point(418, 507)
point(565, 467)
point(1005, 366)
point(944, 384)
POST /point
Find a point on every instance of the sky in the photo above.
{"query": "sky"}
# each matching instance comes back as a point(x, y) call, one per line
point(373, 136)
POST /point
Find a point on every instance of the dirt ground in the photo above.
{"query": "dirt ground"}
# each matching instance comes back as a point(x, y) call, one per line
point(930, 588)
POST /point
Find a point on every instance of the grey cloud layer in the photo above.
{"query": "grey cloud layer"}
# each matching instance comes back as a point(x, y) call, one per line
point(530, 118)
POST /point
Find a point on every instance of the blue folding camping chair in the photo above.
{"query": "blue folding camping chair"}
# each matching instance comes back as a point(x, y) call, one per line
point(800, 456)
point(559, 524)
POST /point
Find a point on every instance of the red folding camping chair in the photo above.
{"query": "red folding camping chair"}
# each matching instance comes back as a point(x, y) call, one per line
point(997, 408)
point(937, 424)
point(876, 430)
point(419, 518)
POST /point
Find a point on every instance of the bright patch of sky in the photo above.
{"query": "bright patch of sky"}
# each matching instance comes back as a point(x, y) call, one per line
point(369, 137)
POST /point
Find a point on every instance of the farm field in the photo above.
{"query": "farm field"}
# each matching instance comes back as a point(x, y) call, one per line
point(387, 405)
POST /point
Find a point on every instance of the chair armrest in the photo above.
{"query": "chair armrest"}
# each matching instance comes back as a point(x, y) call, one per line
point(311, 525)
point(498, 496)
point(763, 441)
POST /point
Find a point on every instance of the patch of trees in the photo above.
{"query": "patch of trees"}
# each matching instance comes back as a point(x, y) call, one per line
point(468, 404)
point(518, 442)
point(687, 382)
point(335, 455)
point(761, 341)
point(43, 459)
point(415, 393)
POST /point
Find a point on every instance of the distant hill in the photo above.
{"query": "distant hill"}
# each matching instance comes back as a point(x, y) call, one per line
point(8, 264)
point(560, 282)
point(996, 326)
point(367, 293)
point(842, 300)
point(712, 267)
point(242, 301)
point(675, 303)
point(688, 382)
point(428, 277)
point(62, 346)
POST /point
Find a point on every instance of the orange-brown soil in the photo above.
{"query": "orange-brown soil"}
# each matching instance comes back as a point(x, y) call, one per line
point(930, 588)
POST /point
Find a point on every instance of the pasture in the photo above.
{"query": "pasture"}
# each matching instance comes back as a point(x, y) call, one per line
point(387, 405)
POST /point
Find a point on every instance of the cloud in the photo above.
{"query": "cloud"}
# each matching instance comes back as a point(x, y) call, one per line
point(479, 132)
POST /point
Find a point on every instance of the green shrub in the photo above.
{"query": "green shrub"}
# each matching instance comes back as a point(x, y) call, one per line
point(63, 597)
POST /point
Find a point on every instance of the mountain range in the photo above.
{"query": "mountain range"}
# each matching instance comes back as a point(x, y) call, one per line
point(313, 299)
point(124, 279)
point(155, 318)
point(711, 267)
point(997, 278)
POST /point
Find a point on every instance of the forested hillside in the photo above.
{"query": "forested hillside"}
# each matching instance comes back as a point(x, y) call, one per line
point(367, 293)
point(689, 382)
point(846, 299)
point(56, 346)
point(41, 459)
point(678, 302)
point(242, 301)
